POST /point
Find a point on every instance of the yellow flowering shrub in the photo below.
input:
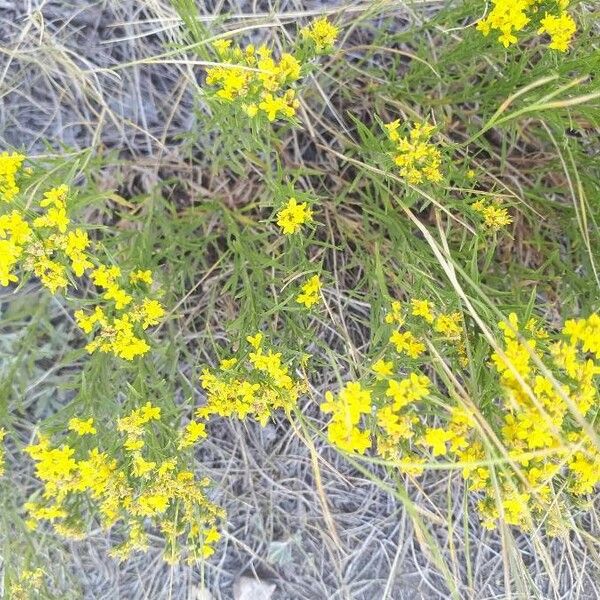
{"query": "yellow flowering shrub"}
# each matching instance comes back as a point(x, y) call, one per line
point(547, 396)
point(128, 486)
point(259, 84)
point(255, 384)
point(44, 243)
point(541, 422)
point(518, 424)
point(508, 17)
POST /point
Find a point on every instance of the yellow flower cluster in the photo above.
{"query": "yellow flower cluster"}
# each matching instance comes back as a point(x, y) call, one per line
point(259, 84)
point(415, 155)
point(191, 433)
point(545, 441)
point(41, 246)
point(254, 384)
point(585, 332)
point(311, 292)
point(536, 418)
point(561, 28)
point(82, 427)
point(538, 432)
point(495, 217)
point(346, 410)
point(544, 447)
point(49, 248)
point(321, 33)
point(125, 489)
point(293, 215)
point(511, 16)
point(448, 325)
point(386, 408)
point(10, 165)
point(28, 584)
point(126, 312)
point(251, 78)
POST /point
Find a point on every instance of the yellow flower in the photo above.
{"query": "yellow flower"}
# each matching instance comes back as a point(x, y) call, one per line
point(9, 255)
point(221, 46)
point(133, 444)
point(149, 412)
point(272, 105)
point(288, 68)
point(510, 327)
point(395, 314)
point(81, 427)
point(408, 343)
point(141, 276)
point(392, 130)
point(51, 274)
point(411, 389)
point(104, 276)
point(515, 508)
point(120, 297)
point(256, 340)
point(383, 368)
point(76, 243)
point(395, 426)
point(293, 215)
point(422, 308)
point(417, 158)
point(506, 16)
point(343, 431)
point(10, 165)
point(55, 197)
point(152, 313)
point(254, 80)
point(14, 227)
point(321, 33)
point(511, 16)
point(54, 217)
point(87, 322)
point(152, 504)
point(142, 467)
point(436, 438)
point(257, 388)
point(310, 292)
point(560, 28)
point(449, 324)
point(586, 332)
point(495, 217)
point(192, 433)
point(227, 363)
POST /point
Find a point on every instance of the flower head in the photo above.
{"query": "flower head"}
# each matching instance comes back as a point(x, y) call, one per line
point(81, 427)
point(321, 33)
point(293, 215)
